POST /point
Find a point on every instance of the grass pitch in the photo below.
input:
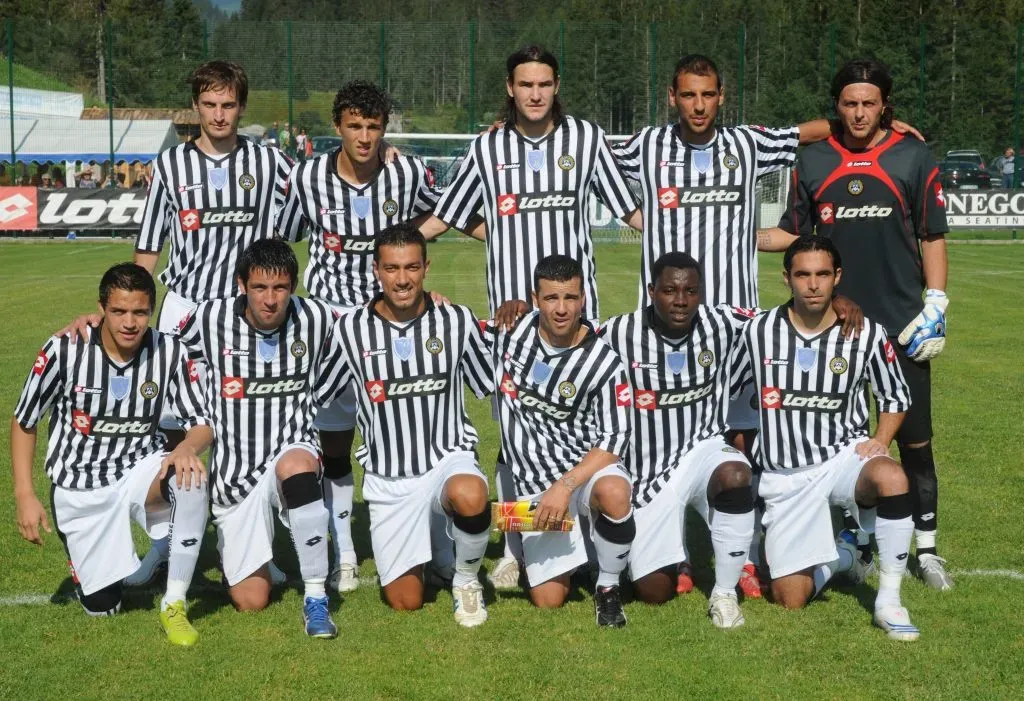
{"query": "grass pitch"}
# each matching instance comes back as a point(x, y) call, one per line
point(972, 642)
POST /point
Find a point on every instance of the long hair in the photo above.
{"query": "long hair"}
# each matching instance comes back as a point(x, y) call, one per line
point(865, 70)
point(530, 54)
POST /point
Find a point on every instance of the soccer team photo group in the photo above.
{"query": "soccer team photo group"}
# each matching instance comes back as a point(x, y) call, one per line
point(675, 436)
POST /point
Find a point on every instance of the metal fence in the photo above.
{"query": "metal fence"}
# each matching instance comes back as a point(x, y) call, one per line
point(449, 76)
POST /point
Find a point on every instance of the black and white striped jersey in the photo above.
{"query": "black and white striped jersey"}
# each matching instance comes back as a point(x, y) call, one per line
point(534, 194)
point(105, 415)
point(701, 201)
point(812, 391)
point(680, 386)
point(344, 218)
point(258, 386)
point(212, 209)
point(408, 383)
point(555, 405)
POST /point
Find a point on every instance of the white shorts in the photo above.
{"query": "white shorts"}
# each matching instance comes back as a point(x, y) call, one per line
point(96, 525)
point(245, 531)
point(173, 310)
point(552, 554)
point(743, 411)
point(341, 414)
point(660, 524)
point(401, 511)
point(797, 514)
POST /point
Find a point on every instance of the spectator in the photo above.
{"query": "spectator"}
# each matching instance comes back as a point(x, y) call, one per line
point(1007, 168)
point(85, 179)
point(272, 134)
point(46, 181)
point(300, 145)
point(309, 145)
point(5, 177)
point(57, 177)
point(285, 139)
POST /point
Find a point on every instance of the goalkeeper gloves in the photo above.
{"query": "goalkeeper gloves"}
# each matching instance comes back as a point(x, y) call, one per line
point(925, 336)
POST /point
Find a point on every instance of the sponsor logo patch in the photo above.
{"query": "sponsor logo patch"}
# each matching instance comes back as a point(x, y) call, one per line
point(542, 405)
point(107, 426)
point(374, 353)
point(623, 395)
point(799, 400)
point(506, 166)
point(18, 208)
point(405, 387)
point(190, 188)
point(826, 212)
point(649, 399)
point(82, 389)
point(195, 219)
point(40, 364)
point(193, 371)
point(234, 353)
point(704, 196)
point(510, 204)
point(508, 387)
point(262, 388)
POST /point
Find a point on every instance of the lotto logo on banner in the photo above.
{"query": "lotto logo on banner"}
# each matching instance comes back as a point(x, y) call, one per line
point(18, 208)
point(826, 213)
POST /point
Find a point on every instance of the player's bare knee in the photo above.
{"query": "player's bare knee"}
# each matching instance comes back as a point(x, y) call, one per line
point(404, 596)
point(656, 588)
point(295, 462)
point(887, 477)
point(731, 475)
point(613, 496)
point(467, 495)
point(250, 598)
point(548, 597)
point(789, 597)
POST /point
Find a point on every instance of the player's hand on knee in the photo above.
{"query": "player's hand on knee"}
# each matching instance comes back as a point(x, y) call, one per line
point(509, 313)
point(872, 448)
point(904, 128)
point(850, 314)
point(925, 336)
point(79, 327)
point(30, 515)
point(552, 507)
point(189, 470)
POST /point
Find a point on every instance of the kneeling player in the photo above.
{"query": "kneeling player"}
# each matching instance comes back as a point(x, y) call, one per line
point(407, 358)
point(677, 352)
point(813, 442)
point(563, 399)
point(261, 351)
point(105, 457)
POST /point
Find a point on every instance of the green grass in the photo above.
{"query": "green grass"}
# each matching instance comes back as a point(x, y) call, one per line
point(972, 641)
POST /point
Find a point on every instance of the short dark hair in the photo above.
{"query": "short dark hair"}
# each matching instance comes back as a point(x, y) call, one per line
point(696, 64)
point(363, 97)
point(130, 278)
point(865, 70)
point(530, 54)
point(811, 242)
point(674, 259)
point(557, 268)
point(404, 234)
point(269, 255)
point(217, 75)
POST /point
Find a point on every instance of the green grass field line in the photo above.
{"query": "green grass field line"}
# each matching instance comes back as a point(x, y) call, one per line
point(972, 643)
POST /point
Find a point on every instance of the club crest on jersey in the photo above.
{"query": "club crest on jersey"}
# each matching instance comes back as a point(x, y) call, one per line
point(701, 160)
point(566, 162)
point(535, 159)
point(567, 390)
point(705, 358)
point(149, 390)
point(730, 161)
point(360, 205)
point(119, 386)
point(838, 365)
point(855, 187)
point(298, 349)
point(390, 208)
point(434, 345)
point(219, 177)
point(541, 371)
point(402, 347)
point(806, 358)
point(266, 348)
point(676, 361)
point(246, 181)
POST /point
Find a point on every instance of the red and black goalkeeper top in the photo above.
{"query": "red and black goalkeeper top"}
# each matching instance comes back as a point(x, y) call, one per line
point(875, 204)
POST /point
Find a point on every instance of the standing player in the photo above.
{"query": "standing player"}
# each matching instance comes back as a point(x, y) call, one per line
point(346, 197)
point(261, 350)
point(564, 427)
point(407, 359)
point(878, 195)
point(107, 462)
point(813, 442)
point(677, 353)
point(533, 177)
point(697, 181)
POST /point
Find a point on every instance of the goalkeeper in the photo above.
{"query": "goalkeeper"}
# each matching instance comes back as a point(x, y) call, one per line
point(878, 196)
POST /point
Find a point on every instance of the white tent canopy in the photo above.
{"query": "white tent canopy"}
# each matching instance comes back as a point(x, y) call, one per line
point(87, 140)
point(40, 103)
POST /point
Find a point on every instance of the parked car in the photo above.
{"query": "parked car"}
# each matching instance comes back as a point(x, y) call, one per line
point(964, 175)
point(967, 155)
point(324, 144)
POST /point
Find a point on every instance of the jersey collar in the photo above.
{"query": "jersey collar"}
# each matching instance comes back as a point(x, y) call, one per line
point(650, 321)
point(428, 307)
point(96, 339)
point(332, 168)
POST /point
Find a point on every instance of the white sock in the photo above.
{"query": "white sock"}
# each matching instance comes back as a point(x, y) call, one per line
point(893, 538)
point(163, 547)
point(507, 492)
point(823, 573)
point(338, 500)
point(730, 535)
point(189, 511)
point(308, 525)
point(924, 539)
point(469, 554)
point(611, 557)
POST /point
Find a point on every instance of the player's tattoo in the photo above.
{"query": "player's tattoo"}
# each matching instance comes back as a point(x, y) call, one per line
point(569, 483)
